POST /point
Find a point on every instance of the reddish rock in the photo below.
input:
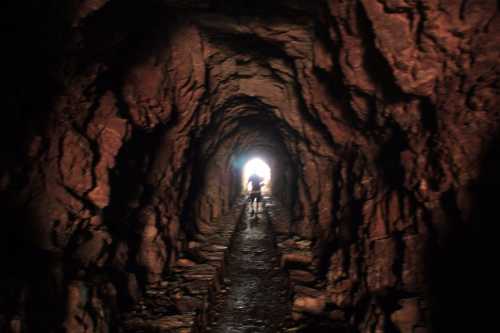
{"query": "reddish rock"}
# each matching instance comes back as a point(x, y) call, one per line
point(380, 261)
point(414, 270)
point(312, 305)
point(306, 291)
point(123, 151)
point(407, 318)
point(152, 251)
point(184, 262)
point(93, 250)
point(301, 258)
point(301, 276)
point(76, 162)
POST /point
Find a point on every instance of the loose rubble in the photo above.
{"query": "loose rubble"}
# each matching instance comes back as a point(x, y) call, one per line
point(180, 302)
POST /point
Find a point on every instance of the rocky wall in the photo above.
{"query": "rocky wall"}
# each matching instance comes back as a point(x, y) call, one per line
point(381, 117)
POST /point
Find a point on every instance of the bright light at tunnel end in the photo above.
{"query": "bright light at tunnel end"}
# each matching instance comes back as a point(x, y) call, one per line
point(259, 167)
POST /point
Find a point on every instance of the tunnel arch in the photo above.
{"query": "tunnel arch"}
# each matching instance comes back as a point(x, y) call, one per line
point(140, 123)
point(240, 125)
point(223, 167)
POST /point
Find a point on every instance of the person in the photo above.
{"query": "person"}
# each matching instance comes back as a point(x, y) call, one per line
point(255, 194)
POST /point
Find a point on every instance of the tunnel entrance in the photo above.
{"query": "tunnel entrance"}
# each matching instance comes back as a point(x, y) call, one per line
point(260, 168)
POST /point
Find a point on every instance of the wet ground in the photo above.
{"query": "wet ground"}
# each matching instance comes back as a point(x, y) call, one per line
point(255, 300)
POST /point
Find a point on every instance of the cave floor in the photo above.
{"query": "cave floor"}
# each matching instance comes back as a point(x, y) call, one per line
point(256, 298)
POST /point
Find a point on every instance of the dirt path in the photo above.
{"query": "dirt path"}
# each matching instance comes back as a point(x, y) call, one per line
point(256, 299)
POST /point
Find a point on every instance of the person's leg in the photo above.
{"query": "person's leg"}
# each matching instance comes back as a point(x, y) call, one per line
point(252, 198)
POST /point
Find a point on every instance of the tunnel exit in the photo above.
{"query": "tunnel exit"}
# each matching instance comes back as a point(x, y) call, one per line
point(257, 166)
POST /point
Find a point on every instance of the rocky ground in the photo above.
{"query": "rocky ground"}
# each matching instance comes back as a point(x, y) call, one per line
point(232, 282)
point(180, 302)
point(256, 298)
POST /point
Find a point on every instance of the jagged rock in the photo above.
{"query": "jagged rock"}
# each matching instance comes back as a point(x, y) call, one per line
point(75, 162)
point(313, 305)
point(91, 251)
point(77, 314)
point(124, 152)
point(306, 291)
point(184, 262)
point(301, 276)
point(188, 304)
point(301, 258)
point(133, 288)
point(380, 274)
point(408, 317)
point(152, 253)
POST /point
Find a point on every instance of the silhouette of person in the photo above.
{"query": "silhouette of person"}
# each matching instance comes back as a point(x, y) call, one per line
point(255, 193)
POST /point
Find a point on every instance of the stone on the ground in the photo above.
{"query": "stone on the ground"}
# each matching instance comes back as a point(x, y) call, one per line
point(302, 277)
point(313, 305)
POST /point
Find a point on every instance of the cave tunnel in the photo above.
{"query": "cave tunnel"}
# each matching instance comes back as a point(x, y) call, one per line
point(126, 133)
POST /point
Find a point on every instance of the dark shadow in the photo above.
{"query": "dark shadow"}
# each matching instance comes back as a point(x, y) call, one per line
point(462, 262)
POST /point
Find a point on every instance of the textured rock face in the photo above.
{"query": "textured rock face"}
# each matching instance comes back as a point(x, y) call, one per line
point(379, 120)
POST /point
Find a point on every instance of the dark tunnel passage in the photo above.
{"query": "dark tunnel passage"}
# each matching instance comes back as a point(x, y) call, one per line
point(125, 134)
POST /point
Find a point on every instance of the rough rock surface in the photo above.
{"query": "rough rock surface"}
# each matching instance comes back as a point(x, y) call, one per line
point(127, 125)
